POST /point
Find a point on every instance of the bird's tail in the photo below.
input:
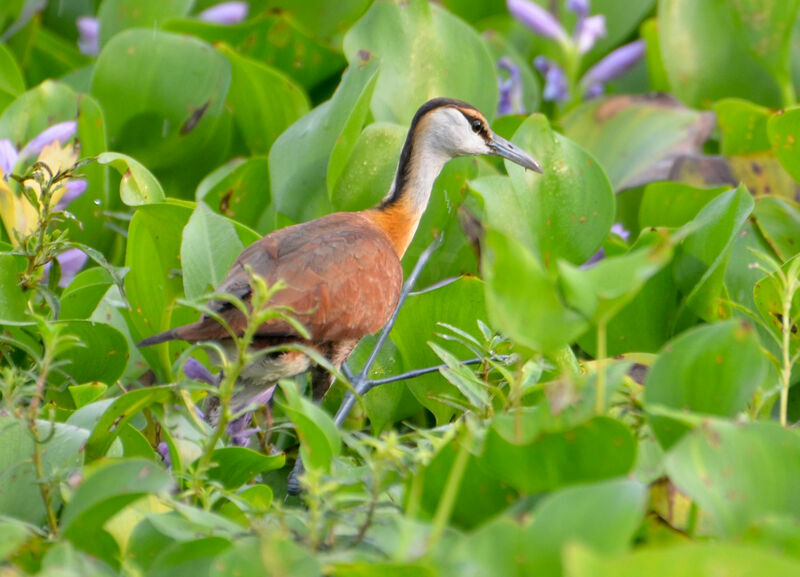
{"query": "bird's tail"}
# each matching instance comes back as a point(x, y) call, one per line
point(159, 338)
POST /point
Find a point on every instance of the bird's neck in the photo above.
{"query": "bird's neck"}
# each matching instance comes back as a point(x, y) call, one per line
point(402, 208)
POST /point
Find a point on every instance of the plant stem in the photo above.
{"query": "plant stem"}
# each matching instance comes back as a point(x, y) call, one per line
point(786, 361)
point(452, 487)
point(600, 400)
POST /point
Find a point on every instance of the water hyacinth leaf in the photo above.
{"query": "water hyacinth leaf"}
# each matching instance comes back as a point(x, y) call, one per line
point(783, 129)
point(84, 394)
point(275, 39)
point(250, 558)
point(712, 369)
point(19, 495)
point(769, 296)
point(100, 352)
point(13, 535)
point(637, 138)
point(12, 84)
point(325, 20)
point(84, 293)
point(119, 412)
point(117, 15)
point(778, 221)
point(238, 190)
point(699, 40)
point(235, 466)
point(300, 158)
point(367, 175)
point(569, 209)
point(600, 448)
point(13, 302)
point(673, 204)
point(138, 186)
point(522, 299)
point(209, 246)
point(681, 560)
point(252, 85)
point(725, 468)
point(37, 109)
point(702, 256)
point(163, 96)
point(320, 441)
point(743, 126)
point(44, 54)
point(420, 47)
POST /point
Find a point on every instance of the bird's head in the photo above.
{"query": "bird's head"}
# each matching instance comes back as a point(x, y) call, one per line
point(454, 128)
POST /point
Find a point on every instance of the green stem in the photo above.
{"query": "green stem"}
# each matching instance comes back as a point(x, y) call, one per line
point(786, 360)
point(452, 487)
point(600, 401)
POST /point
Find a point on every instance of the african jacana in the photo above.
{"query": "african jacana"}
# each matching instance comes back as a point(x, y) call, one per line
point(342, 272)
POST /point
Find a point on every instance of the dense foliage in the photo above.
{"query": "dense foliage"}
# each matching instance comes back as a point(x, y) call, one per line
point(635, 308)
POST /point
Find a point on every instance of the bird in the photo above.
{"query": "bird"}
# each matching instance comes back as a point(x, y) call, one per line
point(341, 273)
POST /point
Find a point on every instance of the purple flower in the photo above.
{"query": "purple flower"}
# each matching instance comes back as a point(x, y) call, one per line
point(88, 35)
point(510, 89)
point(197, 371)
point(537, 19)
point(238, 431)
point(75, 188)
point(71, 261)
point(8, 156)
point(594, 91)
point(555, 81)
point(615, 64)
point(588, 31)
point(621, 231)
point(61, 132)
point(225, 13)
point(594, 259)
point(579, 7)
point(163, 451)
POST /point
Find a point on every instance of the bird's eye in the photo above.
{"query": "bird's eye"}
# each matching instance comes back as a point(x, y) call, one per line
point(477, 126)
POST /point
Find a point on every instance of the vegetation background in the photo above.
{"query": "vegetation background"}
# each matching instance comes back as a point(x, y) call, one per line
point(635, 309)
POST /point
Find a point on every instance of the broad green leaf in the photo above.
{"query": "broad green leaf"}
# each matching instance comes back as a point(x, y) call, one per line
point(13, 535)
point(778, 221)
point(567, 211)
point(13, 302)
point(96, 557)
point(673, 204)
point(109, 490)
point(703, 255)
point(522, 299)
point(323, 19)
point(741, 277)
point(20, 497)
point(119, 412)
point(636, 139)
point(425, 52)
point(712, 369)
point(208, 248)
point(600, 448)
point(239, 190)
point(163, 96)
point(299, 160)
point(276, 40)
point(701, 40)
point(264, 101)
point(320, 441)
point(138, 185)
point(235, 466)
point(270, 557)
point(100, 353)
point(738, 474)
point(783, 130)
point(85, 394)
point(189, 558)
point(460, 304)
point(43, 54)
point(84, 293)
point(12, 84)
point(117, 15)
point(390, 569)
point(37, 109)
point(769, 296)
point(743, 126)
point(683, 560)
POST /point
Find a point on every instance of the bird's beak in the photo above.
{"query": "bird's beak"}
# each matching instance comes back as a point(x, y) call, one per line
point(502, 147)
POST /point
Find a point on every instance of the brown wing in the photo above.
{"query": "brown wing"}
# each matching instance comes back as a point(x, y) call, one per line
point(342, 277)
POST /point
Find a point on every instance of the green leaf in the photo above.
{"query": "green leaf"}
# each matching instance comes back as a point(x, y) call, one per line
point(673, 204)
point(299, 159)
point(100, 353)
point(701, 40)
point(769, 295)
point(253, 85)
point(37, 109)
point(117, 15)
point(712, 369)
point(13, 535)
point(522, 299)
point(778, 221)
point(84, 293)
point(88, 393)
point(12, 84)
point(738, 474)
point(109, 490)
point(600, 448)
point(163, 97)
point(636, 139)
point(235, 466)
point(274, 556)
point(13, 302)
point(190, 558)
point(119, 412)
point(209, 247)
point(320, 441)
point(682, 560)
point(424, 51)
point(138, 185)
point(743, 126)
point(20, 497)
point(239, 190)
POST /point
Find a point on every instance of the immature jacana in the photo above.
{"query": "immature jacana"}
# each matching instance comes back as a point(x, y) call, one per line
point(342, 272)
